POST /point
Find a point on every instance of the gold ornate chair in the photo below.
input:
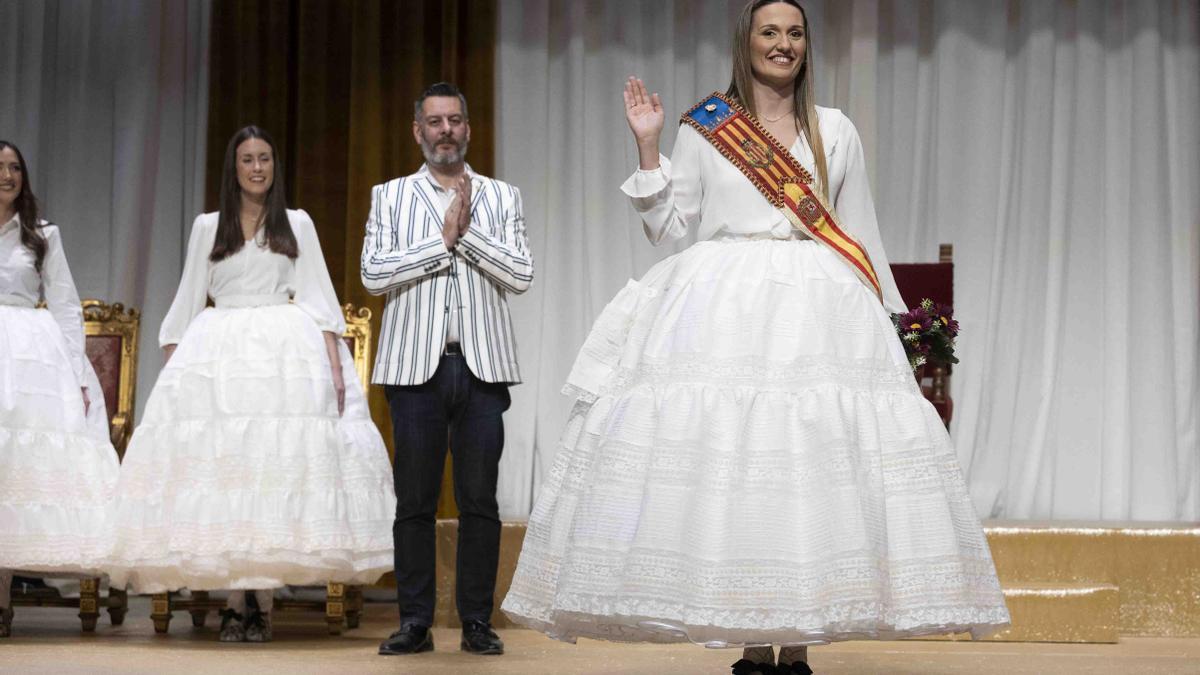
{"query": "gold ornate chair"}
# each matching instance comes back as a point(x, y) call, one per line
point(111, 343)
point(343, 603)
point(111, 333)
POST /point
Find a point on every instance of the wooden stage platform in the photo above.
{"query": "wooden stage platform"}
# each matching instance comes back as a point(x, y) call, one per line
point(48, 640)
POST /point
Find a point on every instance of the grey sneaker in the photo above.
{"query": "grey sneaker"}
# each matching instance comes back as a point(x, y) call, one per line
point(232, 629)
point(258, 627)
point(6, 616)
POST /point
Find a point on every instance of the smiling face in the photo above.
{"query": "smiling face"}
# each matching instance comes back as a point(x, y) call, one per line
point(442, 130)
point(255, 167)
point(12, 178)
point(778, 42)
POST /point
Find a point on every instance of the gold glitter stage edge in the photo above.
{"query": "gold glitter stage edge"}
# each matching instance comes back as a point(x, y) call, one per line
point(1154, 567)
point(1064, 581)
point(1058, 612)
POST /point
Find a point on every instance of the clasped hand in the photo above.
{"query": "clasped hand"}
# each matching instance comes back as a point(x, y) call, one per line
point(458, 216)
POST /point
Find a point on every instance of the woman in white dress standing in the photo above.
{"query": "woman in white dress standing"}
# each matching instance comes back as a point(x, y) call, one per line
point(57, 465)
point(750, 461)
point(256, 464)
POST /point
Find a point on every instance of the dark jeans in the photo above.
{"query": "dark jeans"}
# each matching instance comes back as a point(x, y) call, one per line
point(457, 409)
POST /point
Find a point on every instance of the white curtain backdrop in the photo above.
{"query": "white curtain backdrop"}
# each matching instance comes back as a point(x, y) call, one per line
point(1056, 144)
point(108, 100)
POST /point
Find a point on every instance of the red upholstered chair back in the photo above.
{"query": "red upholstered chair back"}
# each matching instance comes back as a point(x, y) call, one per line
point(104, 351)
point(935, 281)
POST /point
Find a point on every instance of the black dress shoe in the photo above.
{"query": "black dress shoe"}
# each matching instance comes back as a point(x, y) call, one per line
point(795, 668)
point(410, 639)
point(479, 638)
point(748, 667)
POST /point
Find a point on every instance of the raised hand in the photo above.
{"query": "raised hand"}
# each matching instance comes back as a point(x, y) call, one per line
point(644, 113)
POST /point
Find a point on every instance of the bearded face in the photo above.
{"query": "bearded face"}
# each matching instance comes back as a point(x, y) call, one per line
point(442, 131)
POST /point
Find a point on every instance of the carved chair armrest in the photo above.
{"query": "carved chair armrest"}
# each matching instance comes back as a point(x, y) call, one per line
point(120, 432)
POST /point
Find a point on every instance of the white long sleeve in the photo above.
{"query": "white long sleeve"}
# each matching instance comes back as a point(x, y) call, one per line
point(314, 293)
point(855, 209)
point(58, 289)
point(193, 285)
point(668, 198)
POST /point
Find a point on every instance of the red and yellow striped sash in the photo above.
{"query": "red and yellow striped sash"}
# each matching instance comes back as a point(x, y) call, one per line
point(779, 177)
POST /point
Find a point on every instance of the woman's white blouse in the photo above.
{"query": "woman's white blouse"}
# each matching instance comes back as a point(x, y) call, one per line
point(698, 187)
point(255, 270)
point(19, 278)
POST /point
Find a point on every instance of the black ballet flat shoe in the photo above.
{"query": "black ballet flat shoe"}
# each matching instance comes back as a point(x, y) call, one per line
point(794, 668)
point(258, 627)
point(748, 667)
point(232, 627)
point(410, 639)
point(479, 638)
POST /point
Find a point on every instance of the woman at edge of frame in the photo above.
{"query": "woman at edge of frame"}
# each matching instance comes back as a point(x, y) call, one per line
point(256, 464)
point(58, 467)
point(749, 461)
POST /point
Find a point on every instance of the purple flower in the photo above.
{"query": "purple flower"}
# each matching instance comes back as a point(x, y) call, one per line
point(945, 315)
point(915, 320)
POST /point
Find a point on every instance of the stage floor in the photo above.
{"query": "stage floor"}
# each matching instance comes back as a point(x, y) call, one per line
point(48, 640)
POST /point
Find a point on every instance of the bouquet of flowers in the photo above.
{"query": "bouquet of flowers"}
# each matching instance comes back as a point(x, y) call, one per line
point(927, 333)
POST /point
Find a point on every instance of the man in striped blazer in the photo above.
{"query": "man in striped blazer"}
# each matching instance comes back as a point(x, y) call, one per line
point(447, 245)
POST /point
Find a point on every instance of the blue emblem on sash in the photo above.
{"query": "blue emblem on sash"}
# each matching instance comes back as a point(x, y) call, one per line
point(711, 112)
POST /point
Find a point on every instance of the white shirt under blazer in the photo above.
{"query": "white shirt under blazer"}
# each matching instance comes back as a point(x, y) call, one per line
point(404, 256)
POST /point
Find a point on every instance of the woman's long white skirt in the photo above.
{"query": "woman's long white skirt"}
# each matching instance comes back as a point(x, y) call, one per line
point(241, 475)
point(750, 461)
point(57, 468)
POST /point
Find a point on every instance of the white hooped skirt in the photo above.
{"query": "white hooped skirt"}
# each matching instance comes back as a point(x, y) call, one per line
point(241, 475)
point(750, 461)
point(57, 468)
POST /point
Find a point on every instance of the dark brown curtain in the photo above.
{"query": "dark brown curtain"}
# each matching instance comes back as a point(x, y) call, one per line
point(334, 82)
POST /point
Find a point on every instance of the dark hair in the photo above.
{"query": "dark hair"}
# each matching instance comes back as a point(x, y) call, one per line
point(230, 238)
point(803, 98)
point(26, 206)
point(439, 89)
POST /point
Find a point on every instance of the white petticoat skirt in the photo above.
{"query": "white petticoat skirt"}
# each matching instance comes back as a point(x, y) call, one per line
point(241, 474)
point(750, 461)
point(57, 468)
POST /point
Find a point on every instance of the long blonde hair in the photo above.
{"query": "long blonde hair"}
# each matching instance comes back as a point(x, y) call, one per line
point(802, 92)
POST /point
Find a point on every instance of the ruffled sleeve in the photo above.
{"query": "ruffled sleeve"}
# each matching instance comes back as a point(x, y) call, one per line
point(668, 198)
point(314, 290)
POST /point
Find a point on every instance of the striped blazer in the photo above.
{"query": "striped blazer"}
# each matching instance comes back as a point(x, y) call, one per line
point(404, 256)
